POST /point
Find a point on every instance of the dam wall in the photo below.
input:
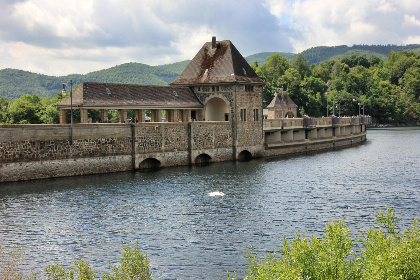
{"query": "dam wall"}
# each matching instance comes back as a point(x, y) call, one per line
point(45, 151)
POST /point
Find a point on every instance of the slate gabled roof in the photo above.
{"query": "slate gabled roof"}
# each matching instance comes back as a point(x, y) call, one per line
point(218, 64)
point(104, 95)
point(281, 99)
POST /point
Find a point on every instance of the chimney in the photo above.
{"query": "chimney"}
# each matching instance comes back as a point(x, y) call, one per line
point(213, 42)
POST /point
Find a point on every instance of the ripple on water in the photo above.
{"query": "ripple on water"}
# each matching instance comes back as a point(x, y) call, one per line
point(190, 234)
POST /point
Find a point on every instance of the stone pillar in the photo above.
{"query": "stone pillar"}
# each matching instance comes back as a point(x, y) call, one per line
point(83, 116)
point(170, 116)
point(140, 115)
point(104, 115)
point(186, 115)
point(156, 116)
point(180, 115)
point(122, 116)
point(63, 118)
point(176, 116)
point(199, 115)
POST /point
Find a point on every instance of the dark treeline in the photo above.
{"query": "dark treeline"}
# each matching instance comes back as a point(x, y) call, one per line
point(387, 90)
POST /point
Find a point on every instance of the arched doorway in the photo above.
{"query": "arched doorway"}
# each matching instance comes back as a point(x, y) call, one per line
point(216, 109)
point(203, 159)
point(290, 115)
point(150, 163)
point(244, 156)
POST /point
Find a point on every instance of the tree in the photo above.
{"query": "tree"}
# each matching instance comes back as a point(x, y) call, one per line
point(25, 109)
point(3, 109)
point(301, 65)
point(274, 68)
point(312, 97)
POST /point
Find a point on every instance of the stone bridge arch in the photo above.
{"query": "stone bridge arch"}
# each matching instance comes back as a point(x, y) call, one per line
point(150, 163)
point(245, 155)
point(202, 159)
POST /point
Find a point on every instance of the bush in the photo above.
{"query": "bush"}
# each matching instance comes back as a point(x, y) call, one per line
point(132, 265)
point(386, 254)
point(9, 264)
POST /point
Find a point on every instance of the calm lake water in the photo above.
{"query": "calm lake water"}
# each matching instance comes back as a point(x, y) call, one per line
point(189, 234)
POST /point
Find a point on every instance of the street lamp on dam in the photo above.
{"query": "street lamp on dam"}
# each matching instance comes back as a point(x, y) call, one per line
point(360, 103)
point(71, 107)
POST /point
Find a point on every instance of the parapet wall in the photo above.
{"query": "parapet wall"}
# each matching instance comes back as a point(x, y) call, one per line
point(44, 151)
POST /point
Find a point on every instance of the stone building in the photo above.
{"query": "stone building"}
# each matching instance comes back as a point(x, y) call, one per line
point(230, 91)
point(180, 104)
point(282, 106)
point(217, 85)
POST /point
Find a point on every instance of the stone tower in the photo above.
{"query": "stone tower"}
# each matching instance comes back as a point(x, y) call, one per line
point(231, 91)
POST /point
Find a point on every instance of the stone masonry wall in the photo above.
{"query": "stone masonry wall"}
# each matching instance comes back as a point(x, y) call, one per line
point(44, 151)
point(247, 131)
point(24, 143)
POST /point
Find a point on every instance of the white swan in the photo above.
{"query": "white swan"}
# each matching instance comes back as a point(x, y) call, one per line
point(216, 193)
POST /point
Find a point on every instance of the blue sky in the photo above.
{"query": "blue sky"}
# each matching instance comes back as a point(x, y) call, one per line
point(81, 36)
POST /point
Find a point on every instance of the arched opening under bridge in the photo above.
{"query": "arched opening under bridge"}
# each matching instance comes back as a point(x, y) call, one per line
point(244, 156)
point(150, 164)
point(203, 159)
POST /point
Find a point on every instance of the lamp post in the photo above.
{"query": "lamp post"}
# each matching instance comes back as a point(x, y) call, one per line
point(359, 103)
point(328, 86)
point(71, 108)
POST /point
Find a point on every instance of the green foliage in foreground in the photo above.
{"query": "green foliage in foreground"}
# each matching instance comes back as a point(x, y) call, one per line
point(132, 265)
point(386, 254)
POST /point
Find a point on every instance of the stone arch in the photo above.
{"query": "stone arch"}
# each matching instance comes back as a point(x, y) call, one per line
point(245, 155)
point(217, 108)
point(150, 163)
point(289, 114)
point(202, 159)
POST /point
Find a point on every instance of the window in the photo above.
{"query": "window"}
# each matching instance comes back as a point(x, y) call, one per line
point(255, 114)
point(249, 88)
point(243, 115)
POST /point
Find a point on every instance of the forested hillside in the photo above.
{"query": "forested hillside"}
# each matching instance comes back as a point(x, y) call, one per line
point(347, 81)
point(389, 91)
point(319, 54)
point(14, 83)
point(261, 58)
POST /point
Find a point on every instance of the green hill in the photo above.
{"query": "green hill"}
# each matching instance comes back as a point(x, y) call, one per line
point(14, 83)
point(317, 55)
point(261, 58)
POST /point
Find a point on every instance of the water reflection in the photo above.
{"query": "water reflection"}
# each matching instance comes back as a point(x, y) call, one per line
point(189, 234)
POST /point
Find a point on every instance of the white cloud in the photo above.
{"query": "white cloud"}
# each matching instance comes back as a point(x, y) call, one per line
point(411, 20)
point(79, 36)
